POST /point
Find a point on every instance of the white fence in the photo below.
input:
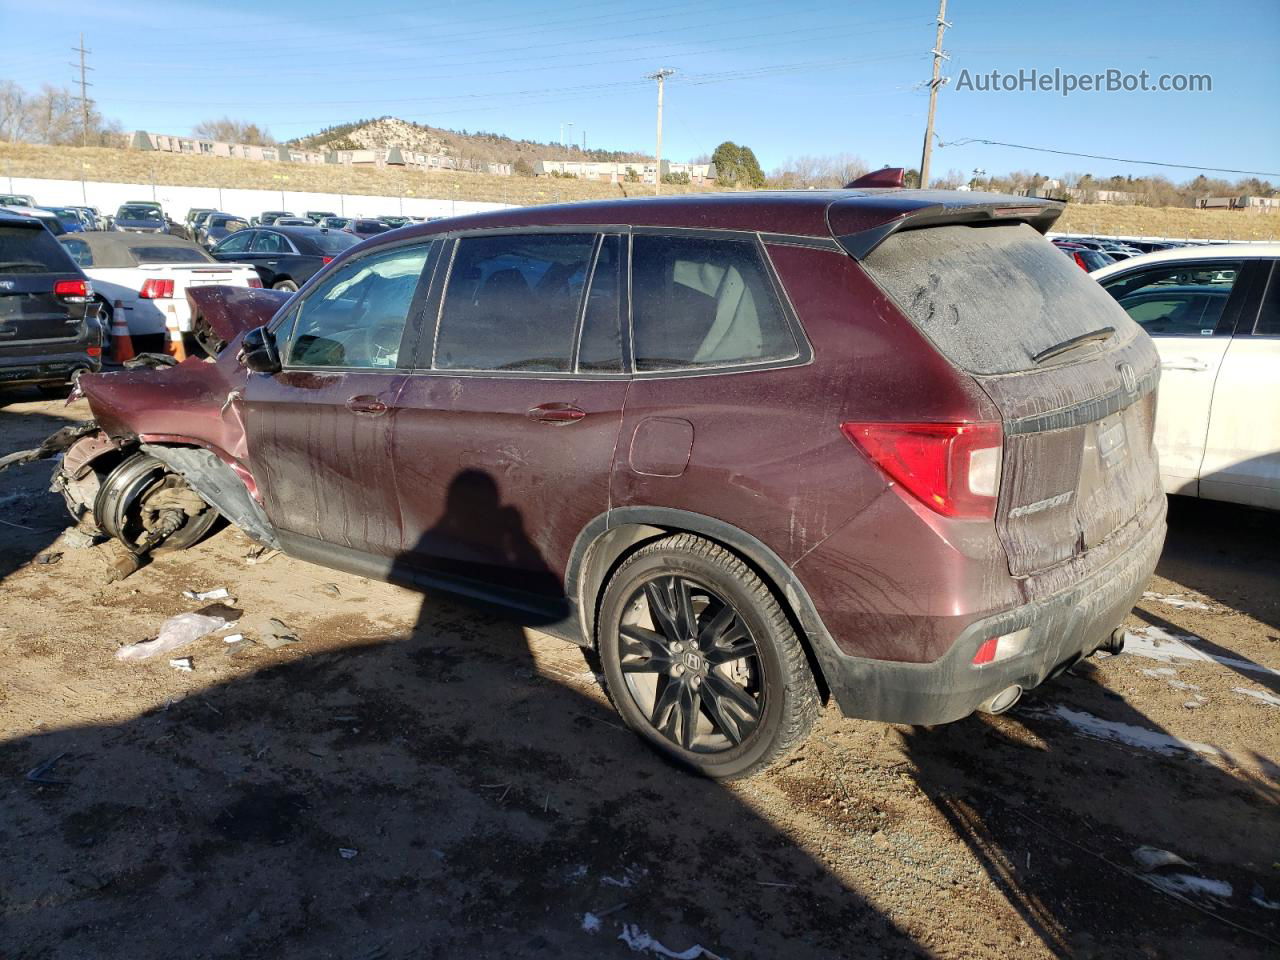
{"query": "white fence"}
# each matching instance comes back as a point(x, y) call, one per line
point(247, 203)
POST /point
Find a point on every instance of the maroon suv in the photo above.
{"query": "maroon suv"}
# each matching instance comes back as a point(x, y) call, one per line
point(885, 447)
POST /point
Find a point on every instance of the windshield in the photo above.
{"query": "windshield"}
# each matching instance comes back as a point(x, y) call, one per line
point(991, 298)
point(133, 212)
point(171, 254)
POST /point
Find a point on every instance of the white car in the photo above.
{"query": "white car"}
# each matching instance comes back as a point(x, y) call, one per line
point(1214, 314)
point(149, 273)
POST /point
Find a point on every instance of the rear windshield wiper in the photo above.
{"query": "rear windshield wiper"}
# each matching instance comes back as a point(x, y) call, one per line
point(1104, 333)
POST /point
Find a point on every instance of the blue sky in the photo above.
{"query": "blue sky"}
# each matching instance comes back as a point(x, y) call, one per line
point(802, 77)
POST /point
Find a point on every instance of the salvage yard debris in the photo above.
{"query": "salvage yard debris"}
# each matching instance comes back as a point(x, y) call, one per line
point(277, 634)
point(174, 633)
point(221, 593)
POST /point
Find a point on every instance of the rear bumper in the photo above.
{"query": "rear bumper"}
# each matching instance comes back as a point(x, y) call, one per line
point(1071, 623)
point(53, 366)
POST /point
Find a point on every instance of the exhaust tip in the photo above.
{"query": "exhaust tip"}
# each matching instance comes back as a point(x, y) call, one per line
point(1002, 701)
point(1114, 644)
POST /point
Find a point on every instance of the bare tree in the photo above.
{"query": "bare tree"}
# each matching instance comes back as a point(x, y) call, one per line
point(227, 130)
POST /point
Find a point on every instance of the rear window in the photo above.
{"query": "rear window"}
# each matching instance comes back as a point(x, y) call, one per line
point(32, 250)
point(991, 298)
point(137, 213)
point(331, 243)
point(170, 255)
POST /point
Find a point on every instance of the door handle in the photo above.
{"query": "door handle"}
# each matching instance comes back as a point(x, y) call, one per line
point(366, 406)
point(1196, 366)
point(557, 413)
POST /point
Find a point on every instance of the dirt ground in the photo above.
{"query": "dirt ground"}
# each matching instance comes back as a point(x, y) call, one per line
point(421, 778)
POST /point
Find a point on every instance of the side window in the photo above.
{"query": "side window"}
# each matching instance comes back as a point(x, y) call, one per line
point(1177, 300)
point(238, 243)
point(703, 303)
point(267, 242)
point(512, 302)
point(600, 347)
point(356, 318)
point(1268, 324)
point(80, 252)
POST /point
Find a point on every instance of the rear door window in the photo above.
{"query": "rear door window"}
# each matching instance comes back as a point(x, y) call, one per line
point(991, 298)
point(1268, 322)
point(600, 346)
point(512, 302)
point(32, 250)
point(703, 302)
point(80, 252)
point(1184, 299)
point(267, 242)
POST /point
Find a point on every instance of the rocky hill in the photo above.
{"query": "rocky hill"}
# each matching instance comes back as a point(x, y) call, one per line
point(479, 146)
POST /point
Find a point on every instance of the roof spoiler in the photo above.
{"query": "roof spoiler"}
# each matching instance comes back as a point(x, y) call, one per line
point(887, 177)
point(860, 227)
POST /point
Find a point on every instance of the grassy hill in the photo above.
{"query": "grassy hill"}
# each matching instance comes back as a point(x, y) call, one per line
point(131, 166)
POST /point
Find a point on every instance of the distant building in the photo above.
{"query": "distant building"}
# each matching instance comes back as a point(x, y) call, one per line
point(1238, 203)
point(281, 153)
point(621, 171)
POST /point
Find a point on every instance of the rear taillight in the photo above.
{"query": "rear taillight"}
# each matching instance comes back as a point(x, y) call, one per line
point(73, 291)
point(1079, 261)
point(952, 468)
point(154, 289)
point(326, 260)
point(995, 649)
point(255, 282)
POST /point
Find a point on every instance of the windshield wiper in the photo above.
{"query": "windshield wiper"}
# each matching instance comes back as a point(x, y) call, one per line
point(1100, 335)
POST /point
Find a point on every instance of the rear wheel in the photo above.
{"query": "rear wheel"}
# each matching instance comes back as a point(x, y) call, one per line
point(701, 660)
point(287, 285)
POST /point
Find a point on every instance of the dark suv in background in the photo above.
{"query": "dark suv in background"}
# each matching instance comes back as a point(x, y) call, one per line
point(886, 447)
point(49, 329)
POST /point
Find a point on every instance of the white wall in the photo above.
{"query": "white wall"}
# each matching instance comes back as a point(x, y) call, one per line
point(246, 203)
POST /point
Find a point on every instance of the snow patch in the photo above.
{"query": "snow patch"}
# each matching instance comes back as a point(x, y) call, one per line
point(1090, 726)
point(1176, 600)
point(1156, 643)
point(1186, 883)
point(1262, 695)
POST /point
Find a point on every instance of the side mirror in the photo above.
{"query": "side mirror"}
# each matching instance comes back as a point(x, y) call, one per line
point(258, 351)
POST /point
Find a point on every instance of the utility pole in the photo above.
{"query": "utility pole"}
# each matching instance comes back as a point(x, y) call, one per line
point(84, 92)
point(661, 77)
point(934, 85)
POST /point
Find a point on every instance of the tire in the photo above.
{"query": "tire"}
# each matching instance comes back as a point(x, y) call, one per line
point(287, 285)
point(745, 681)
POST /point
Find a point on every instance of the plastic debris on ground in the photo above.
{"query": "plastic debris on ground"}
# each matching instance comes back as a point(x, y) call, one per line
point(1153, 858)
point(277, 634)
point(330, 590)
point(221, 593)
point(48, 557)
point(640, 941)
point(1259, 896)
point(590, 923)
point(174, 633)
point(347, 853)
point(183, 664)
point(233, 638)
point(76, 539)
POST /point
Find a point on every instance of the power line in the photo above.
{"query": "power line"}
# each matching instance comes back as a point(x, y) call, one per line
point(84, 93)
point(1095, 156)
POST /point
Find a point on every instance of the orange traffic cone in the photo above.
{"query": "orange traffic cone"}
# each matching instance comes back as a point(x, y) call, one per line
point(173, 336)
point(121, 344)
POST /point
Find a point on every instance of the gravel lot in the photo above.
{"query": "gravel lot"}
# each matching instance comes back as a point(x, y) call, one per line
point(421, 778)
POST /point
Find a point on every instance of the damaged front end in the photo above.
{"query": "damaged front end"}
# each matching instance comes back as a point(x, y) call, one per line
point(165, 456)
